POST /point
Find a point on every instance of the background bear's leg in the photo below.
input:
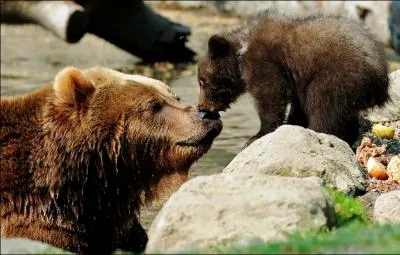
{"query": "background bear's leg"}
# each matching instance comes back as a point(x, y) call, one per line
point(136, 28)
point(332, 114)
point(135, 240)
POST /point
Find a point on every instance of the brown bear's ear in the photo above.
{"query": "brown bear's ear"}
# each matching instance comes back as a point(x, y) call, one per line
point(72, 87)
point(218, 46)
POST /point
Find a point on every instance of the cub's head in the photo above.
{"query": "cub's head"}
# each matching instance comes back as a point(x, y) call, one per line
point(129, 125)
point(219, 75)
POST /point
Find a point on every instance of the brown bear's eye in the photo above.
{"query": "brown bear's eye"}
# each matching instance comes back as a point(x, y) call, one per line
point(155, 106)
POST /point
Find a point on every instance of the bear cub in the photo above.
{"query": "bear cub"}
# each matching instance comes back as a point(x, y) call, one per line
point(318, 72)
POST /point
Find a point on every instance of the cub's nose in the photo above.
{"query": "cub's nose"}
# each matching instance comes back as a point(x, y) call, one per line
point(207, 115)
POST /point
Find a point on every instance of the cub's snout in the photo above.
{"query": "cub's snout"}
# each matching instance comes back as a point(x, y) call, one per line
point(208, 115)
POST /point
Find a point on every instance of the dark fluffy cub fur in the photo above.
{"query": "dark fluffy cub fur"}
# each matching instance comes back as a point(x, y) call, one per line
point(326, 68)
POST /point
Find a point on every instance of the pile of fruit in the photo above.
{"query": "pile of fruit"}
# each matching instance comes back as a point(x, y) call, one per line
point(379, 154)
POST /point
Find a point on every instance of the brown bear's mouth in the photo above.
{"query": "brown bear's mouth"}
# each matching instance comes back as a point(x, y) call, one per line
point(194, 143)
point(204, 140)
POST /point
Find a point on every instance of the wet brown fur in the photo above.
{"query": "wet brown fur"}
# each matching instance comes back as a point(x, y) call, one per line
point(78, 158)
point(327, 67)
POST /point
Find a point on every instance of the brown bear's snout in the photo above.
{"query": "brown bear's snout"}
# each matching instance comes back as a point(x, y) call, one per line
point(212, 121)
point(210, 127)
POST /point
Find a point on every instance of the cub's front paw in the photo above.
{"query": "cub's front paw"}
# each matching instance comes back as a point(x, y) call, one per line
point(250, 141)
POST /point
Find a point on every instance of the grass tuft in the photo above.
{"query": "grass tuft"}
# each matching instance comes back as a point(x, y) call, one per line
point(347, 209)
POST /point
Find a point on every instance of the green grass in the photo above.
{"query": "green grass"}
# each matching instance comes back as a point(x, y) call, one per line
point(355, 237)
point(347, 209)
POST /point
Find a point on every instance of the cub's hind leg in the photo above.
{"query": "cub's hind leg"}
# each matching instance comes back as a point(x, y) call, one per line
point(332, 114)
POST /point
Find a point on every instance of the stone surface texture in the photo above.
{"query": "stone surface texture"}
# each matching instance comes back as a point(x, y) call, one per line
point(222, 209)
point(387, 208)
point(299, 152)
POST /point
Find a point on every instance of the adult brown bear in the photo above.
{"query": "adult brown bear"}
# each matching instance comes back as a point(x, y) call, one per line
point(325, 69)
point(78, 158)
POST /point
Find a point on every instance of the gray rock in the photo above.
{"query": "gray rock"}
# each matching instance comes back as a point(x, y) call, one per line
point(300, 152)
point(26, 246)
point(368, 200)
point(393, 168)
point(224, 209)
point(387, 208)
point(391, 111)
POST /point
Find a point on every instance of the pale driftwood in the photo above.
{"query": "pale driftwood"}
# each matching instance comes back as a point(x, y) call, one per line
point(65, 19)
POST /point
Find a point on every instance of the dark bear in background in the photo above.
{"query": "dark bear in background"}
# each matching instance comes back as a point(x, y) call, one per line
point(317, 72)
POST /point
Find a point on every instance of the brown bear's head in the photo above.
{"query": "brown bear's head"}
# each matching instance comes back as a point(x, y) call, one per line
point(121, 125)
point(219, 74)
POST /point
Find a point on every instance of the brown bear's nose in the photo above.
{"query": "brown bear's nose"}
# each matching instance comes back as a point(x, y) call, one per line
point(208, 115)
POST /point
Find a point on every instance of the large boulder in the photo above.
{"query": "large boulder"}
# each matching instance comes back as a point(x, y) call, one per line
point(387, 208)
point(300, 152)
point(390, 111)
point(223, 209)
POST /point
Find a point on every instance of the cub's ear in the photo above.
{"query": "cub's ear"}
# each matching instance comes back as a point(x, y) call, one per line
point(218, 46)
point(72, 87)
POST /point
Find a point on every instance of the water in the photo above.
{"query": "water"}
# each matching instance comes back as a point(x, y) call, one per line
point(32, 56)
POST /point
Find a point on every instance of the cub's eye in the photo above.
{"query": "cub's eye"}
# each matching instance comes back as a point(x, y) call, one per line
point(155, 106)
